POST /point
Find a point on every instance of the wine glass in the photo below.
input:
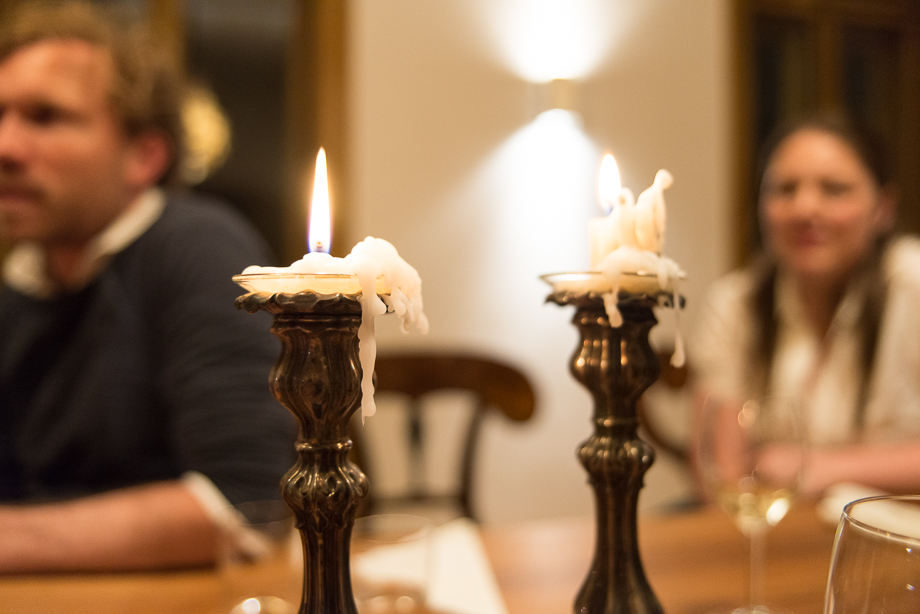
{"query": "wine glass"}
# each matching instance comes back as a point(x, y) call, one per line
point(750, 457)
point(259, 559)
point(875, 566)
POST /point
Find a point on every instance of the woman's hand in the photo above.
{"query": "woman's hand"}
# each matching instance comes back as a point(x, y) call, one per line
point(779, 464)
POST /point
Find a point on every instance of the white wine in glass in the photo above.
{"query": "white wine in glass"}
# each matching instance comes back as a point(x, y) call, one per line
point(750, 457)
point(875, 567)
point(754, 507)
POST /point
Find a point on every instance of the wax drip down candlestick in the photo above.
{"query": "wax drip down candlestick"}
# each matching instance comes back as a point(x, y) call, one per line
point(373, 272)
point(626, 249)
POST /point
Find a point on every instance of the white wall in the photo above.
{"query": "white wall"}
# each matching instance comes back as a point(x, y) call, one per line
point(448, 166)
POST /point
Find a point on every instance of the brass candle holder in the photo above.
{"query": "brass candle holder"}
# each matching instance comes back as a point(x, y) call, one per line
point(616, 364)
point(318, 378)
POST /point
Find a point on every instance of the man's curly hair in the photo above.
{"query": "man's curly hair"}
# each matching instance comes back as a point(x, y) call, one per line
point(147, 86)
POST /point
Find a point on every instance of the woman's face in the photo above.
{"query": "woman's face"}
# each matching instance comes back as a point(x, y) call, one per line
point(821, 207)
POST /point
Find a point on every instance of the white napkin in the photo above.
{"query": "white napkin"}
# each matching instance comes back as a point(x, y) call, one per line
point(891, 516)
point(836, 497)
point(396, 563)
point(461, 580)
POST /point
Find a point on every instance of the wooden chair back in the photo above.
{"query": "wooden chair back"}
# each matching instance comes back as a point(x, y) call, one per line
point(494, 387)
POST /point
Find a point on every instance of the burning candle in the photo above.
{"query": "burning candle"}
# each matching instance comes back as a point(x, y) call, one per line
point(618, 228)
point(626, 246)
point(319, 236)
point(602, 231)
point(373, 272)
point(631, 236)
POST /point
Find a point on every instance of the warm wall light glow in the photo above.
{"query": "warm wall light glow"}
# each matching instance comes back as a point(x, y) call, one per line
point(555, 94)
point(608, 182)
point(542, 40)
point(544, 180)
point(319, 238)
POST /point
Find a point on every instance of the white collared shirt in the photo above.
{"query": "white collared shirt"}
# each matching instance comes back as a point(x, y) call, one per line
point(25, 268)
point(823, 374)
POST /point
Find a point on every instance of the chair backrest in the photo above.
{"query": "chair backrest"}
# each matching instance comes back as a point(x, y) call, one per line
point(493, 386)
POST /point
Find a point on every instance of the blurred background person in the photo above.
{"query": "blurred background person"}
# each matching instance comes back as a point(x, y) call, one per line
point(829, 315)
point(134, 406)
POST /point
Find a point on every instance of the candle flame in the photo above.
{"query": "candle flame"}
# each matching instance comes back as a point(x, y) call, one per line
point(608, 183)
point(319, 237)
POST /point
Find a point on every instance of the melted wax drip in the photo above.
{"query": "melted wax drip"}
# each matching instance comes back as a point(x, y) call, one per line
point(636, 246)
point(371, 259)
point(368, 260)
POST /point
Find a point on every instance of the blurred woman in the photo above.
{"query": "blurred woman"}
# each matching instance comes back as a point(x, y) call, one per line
point(831, 314)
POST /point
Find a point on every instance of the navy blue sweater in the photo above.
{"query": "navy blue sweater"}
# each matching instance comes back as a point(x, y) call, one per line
point(147, 373)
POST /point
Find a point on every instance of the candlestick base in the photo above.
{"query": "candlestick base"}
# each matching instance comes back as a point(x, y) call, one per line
point(318, 378)
point(616, 365)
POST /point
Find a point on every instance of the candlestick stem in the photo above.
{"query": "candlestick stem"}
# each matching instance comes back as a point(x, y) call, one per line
point(616, 365)
point(318, 378)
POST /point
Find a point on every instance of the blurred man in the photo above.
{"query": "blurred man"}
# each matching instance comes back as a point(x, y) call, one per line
point(134, 407)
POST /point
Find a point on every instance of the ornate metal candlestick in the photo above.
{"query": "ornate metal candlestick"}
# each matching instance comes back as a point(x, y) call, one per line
point(616, 365)
point(318, 378)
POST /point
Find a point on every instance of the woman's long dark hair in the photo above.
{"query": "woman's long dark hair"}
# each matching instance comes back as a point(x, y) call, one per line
point(873, 155)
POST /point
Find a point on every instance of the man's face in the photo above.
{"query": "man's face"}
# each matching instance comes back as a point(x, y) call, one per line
point(62, 150)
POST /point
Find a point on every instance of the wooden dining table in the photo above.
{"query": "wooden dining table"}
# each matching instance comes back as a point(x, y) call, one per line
point(696, 561)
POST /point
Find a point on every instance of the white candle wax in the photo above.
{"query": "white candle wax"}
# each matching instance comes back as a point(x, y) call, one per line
point(373, 271)
point(634, 225)
point(650, 214)
point(624, 216)
point(596, 244)
point(626, 245)
point(603, 233)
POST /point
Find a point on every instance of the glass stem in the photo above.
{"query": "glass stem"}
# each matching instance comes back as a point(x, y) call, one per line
point(758, 553)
